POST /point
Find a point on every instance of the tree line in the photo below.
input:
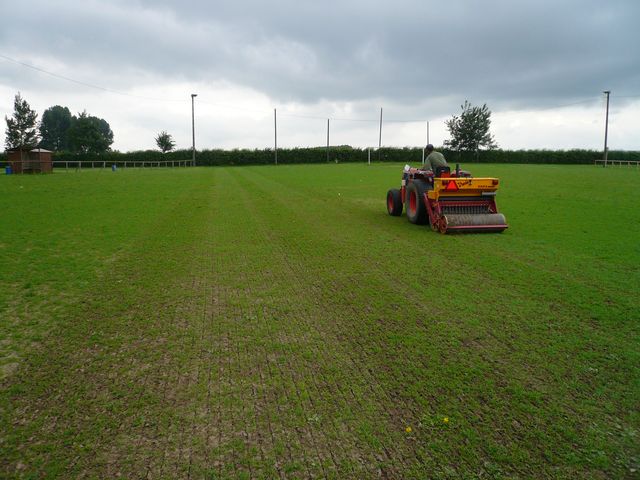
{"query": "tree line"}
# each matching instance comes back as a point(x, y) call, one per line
point(58, 130)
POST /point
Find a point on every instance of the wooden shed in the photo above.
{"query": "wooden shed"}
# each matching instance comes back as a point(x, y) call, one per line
point(37, 160)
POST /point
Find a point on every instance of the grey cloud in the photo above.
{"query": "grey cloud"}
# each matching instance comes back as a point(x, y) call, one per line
point(512, 54)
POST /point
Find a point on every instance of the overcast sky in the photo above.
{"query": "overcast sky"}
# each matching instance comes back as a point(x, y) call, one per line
point(540, 66)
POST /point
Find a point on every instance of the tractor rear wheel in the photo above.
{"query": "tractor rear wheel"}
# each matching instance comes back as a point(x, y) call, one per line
point(394, 202)
point(416, 209)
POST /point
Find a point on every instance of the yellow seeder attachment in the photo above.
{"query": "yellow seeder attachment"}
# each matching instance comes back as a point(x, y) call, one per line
point(464, 204)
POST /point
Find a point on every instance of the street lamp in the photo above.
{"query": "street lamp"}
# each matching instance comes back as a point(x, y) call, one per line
point(193, 131)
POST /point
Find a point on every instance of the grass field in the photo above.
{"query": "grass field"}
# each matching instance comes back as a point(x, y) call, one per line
point(275, 322)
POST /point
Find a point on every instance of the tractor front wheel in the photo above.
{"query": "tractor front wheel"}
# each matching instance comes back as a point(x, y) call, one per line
point(394, 202)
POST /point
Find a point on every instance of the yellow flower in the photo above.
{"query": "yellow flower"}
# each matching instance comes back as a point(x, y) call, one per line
point(408, 429)
point(445, 419)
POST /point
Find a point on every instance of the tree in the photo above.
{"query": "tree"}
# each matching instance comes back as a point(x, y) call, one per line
point(470, 131)
point(54, 128)
point(89, 134)
point(165, 142)
point(21, 128)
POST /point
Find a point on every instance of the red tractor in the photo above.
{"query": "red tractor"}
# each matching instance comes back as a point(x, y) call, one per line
point(448, 201)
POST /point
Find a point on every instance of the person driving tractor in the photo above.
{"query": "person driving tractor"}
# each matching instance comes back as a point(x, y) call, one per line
point(434, 159)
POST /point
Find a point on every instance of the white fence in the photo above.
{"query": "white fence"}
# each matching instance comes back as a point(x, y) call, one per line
point(87, 164)
point(618, 163)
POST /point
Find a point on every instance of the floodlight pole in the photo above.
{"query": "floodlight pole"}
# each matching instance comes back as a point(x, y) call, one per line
point(193, 130)
point(275, 134)
point(427, 141)
point(606, 128)
point(327, 140)
point(380, 135)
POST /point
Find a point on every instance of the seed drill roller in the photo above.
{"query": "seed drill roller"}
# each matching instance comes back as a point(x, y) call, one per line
point(448, 201)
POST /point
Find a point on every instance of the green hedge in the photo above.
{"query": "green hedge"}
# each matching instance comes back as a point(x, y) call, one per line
point(401, 155)
point(541, 156)
point(345, 154)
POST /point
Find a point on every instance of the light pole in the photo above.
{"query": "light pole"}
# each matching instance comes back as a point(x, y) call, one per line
point(327, 140)
point(275, 135)
point(606, 128)
point(193, 130)
point(380, 135)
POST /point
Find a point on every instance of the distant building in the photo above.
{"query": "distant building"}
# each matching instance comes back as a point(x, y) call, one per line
point(37, 160)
